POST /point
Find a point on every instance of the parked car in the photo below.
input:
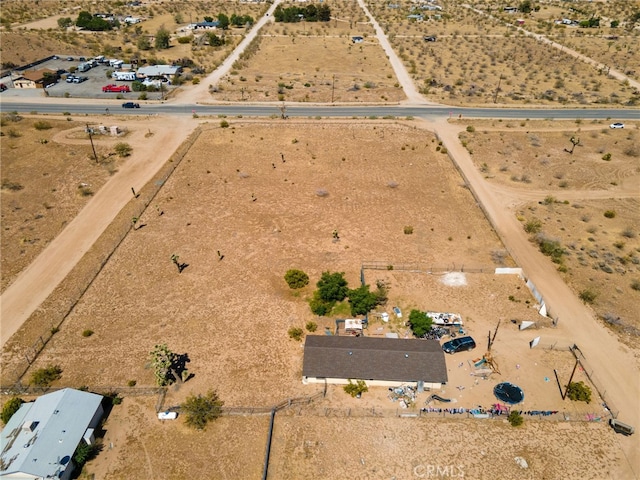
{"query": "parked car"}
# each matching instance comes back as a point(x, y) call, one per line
point(113, 88)
point(70, 59)
point(70, 78)
point(3, 87)
point(461, 344)
point(429, 38)
point(80, 79)
point(130, 105)
point(616, 125)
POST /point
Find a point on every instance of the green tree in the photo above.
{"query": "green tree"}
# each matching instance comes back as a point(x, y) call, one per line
point(223, 21)
point(356, 389)
point(332, 287)
point(319, 306)
point(579, 392)
point(43, 377)
point(64, 22)
point(208, 18)
point(163, 38)
point(200, 410)
point(9, 408)
point(215, 40)
point(362, 301)
point(84, 452)
point(296, 278)
point(525, 7)
point(123, 149)
point(420, 323)
point(143, 43)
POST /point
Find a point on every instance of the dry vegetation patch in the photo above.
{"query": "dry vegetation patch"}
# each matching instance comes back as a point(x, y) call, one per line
point(45, 183)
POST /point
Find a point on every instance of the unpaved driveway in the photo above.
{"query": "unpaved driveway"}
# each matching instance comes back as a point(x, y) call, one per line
point(39, 279)
point(615, 365)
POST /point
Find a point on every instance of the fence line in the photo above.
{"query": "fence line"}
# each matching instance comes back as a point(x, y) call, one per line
point(588, 370)
point(68, 293)
point(421, 268)
point(19, 389)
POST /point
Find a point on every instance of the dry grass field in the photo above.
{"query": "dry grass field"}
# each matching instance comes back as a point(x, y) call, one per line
point(267, 196)
point(601, 254)
point(42, 184)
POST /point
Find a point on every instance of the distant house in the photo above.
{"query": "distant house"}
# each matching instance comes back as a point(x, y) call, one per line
point(378, 361)
point(418, 17)
point(357, 39)
point(205, 25)
point(510, 9)
point(40, 439)
point(132, 20)
point(158, 70)
point(36, 79)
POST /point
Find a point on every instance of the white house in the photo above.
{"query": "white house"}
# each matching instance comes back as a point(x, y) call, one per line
point(158, 70)
point(40, 439)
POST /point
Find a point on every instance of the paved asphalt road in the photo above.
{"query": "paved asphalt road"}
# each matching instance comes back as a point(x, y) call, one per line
point(298, 110)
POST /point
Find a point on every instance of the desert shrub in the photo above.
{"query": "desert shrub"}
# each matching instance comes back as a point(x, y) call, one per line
point(629, 233)
point(43, 377)
point(9, 408)
point(632, 150)
point(84, 452)
point(515, 419)
point(606, 157)
point(356, 389)
point(610, 214)
point(224, 124)
point(588, 296)
point(549, 247)
point(201, 409)
point(579, 392)
point(185, 40)
point(319, 306)
point(87, 333)
point(42, 125)
point(296, 278)
point(533, 226)
point(635, 285)
point(311, 326)
point(13, 186)
point(295, 333)
point(471, 128)
point(131, 383)
point(123, 149)
point(13, 133)
point(408, 230)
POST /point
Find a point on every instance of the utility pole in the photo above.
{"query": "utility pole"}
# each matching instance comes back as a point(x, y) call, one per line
point(333, 87)
point(495, 98)
point(90, 132)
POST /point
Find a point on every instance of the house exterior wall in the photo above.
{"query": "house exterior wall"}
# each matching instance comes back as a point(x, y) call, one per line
point(370, 383)
point(24, 83)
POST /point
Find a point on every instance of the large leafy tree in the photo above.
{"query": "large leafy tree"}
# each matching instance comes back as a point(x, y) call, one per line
point(332, 287)
point(420, 322)
point(201, 409)
point(163, 38)
point(362, 301)
point(89, 22)
point(223, 21)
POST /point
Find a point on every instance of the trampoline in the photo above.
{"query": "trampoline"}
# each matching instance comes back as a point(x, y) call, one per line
point(508, 393)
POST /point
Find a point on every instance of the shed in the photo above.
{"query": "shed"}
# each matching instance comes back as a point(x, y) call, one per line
point(158, 70)
point(36, 79)
point(377, 361)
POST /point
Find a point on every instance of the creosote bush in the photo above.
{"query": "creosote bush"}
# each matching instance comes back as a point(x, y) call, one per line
point(515, 419)
point(356, 389)
point(579, 392)
point(311, 326)
point(296, 278)
point(43, 377)
point(296, 333)
point(610, 214)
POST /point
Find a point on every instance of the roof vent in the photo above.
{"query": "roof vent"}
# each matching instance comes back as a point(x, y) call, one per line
point(406, 355)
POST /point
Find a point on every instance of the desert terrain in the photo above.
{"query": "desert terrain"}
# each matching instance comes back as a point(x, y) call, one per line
point(250, 199)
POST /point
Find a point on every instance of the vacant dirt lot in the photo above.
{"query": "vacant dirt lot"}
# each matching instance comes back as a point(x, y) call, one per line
point(267, 197)
point(45, 183)
point(568, 195)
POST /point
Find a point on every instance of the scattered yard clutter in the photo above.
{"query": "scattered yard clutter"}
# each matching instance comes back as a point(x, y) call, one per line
point(384, 316)
point(406, 395)
point(521, 462)
point(438, 398)
point(397, 312)
point(167, 415)
point(353, 326)
point(446, 319)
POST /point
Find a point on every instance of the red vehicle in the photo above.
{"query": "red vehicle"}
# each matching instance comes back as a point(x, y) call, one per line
point(113, 88)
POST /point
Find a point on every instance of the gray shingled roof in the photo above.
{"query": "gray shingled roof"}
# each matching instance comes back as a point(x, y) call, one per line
point(366, 358)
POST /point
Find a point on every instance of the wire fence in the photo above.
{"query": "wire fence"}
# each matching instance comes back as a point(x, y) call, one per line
point(595, 381)
point(418, 267)
point(50, 316)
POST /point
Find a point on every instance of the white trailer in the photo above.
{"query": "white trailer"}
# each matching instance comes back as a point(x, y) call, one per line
point(129, 76)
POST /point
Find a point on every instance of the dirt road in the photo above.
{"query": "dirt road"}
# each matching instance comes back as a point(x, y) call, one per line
point(615, 365)
point(39, 279)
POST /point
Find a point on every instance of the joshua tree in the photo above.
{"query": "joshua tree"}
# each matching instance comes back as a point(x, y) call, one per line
point(574, 141)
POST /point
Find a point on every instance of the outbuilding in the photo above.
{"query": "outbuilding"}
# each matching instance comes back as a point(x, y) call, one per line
point(378, 361)
point(41, 437)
